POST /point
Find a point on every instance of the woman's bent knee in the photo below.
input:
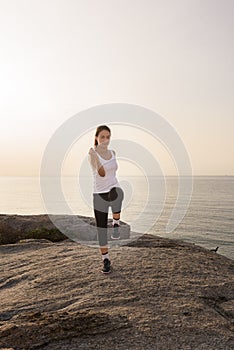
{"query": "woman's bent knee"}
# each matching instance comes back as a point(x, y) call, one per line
point(116, 193)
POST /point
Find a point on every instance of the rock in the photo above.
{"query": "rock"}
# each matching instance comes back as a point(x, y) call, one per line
point(161, 294)
point(34, 240)
point(228, 307)
point(15, 228)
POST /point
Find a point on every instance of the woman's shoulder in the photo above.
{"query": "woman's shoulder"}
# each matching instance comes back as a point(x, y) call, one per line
point(113, 152)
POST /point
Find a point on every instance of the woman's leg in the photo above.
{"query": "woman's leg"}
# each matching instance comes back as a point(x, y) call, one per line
point(101, 223)
point(116, 216)
point(101, 206)
point(101, 220)
point(116, 197)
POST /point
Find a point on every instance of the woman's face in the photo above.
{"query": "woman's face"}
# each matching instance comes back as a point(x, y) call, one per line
point(103, 138)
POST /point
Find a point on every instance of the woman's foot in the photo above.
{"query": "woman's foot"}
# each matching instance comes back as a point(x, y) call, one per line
point(116, 233)
point(106, 266)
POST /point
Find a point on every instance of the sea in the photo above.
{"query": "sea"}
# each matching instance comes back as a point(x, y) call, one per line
point(204, 213)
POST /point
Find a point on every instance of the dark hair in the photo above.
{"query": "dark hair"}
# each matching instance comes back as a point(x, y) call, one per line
point(99, 129)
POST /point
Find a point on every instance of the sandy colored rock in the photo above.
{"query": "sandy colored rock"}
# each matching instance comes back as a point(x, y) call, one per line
point(161, 294)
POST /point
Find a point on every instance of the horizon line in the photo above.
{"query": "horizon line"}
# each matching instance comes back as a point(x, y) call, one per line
point(205, 175)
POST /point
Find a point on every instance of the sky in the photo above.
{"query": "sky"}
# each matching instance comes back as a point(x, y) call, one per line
point(60, 57)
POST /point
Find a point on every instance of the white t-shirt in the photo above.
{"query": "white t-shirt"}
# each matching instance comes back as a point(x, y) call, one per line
point(102, 184)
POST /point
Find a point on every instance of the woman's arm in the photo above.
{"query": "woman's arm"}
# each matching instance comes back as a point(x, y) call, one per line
point(95, 162)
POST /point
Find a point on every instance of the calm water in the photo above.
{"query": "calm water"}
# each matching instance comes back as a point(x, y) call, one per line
point(209, 220)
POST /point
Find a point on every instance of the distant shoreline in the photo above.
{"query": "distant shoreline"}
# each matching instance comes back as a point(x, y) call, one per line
point(176, 176)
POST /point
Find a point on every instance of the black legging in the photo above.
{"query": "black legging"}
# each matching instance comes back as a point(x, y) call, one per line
point(101, 203)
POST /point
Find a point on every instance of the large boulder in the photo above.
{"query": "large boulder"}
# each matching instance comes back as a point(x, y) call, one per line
point(15, 227)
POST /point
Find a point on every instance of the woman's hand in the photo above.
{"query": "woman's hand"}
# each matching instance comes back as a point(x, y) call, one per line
point(96, 162)
point(91, 151)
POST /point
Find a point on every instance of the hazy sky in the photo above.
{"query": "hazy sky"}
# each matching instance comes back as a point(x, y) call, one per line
point(59, 57)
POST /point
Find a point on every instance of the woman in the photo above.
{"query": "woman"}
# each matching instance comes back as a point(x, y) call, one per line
point(106, 190)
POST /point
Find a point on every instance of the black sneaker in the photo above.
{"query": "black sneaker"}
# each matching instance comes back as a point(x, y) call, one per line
point(116, 233)
point(106, 266)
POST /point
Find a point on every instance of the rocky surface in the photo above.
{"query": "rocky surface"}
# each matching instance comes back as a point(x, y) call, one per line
point(80, 228)
point(161, 294)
